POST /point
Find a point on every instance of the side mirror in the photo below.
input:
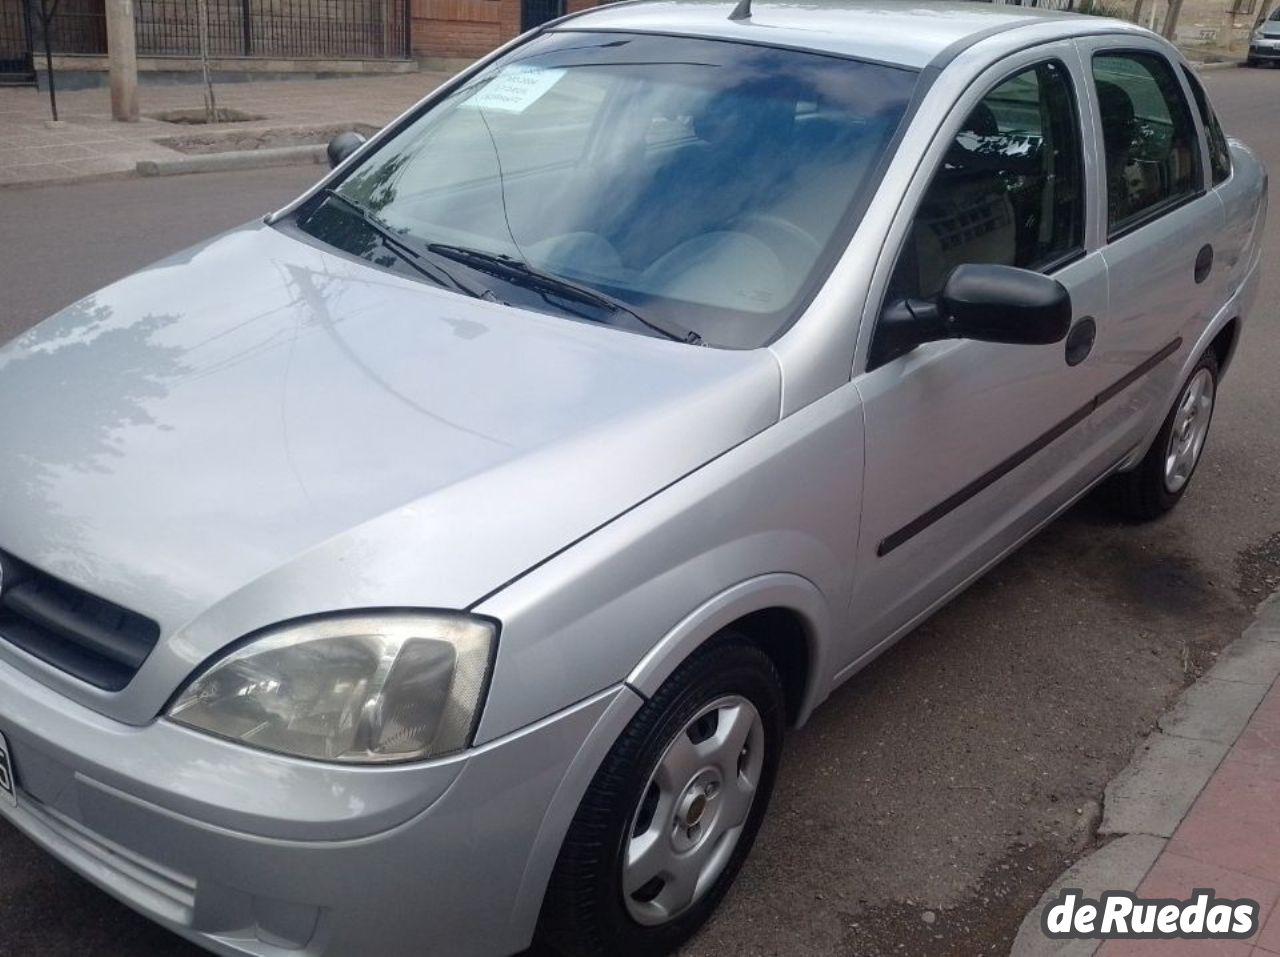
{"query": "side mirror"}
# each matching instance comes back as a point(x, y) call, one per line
point(1005, 304)
point(342, 146)
point(978, 301)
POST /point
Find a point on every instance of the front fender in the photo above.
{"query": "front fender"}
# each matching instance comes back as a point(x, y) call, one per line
point(771, 523)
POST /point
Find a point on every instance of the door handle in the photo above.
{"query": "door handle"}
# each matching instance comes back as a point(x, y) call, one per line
point(1204, 263)
point(1080, 340)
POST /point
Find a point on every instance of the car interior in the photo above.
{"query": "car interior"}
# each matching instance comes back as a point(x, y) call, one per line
point(722, 198)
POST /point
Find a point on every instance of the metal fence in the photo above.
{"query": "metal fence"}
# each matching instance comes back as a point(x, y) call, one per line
point(279, 29)
point(364, 29)
point(78, 26)
point(15, 41)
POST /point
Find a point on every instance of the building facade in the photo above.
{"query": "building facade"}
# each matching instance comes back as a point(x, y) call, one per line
point(291, 37)
point(466, 29)
point(270, 36)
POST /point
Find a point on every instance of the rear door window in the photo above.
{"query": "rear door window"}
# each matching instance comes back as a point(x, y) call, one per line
point(1151, 150)
point(1219, 151)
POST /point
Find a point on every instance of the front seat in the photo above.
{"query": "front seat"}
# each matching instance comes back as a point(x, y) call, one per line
point(731, 170)
point(966, 215)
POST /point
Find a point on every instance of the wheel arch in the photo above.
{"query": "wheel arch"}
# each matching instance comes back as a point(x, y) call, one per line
point(1224, 343)
point(785, 614)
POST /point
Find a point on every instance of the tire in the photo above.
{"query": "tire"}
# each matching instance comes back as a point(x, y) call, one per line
point(587, 911)
point(1149, 491)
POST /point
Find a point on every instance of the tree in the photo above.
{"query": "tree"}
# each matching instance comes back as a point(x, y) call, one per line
point(46, 10)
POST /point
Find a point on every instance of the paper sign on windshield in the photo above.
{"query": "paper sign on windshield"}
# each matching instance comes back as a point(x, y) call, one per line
point(515, 89)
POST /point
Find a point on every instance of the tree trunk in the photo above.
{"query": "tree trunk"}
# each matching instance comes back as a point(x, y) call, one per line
point(1171, 19)
point(210, 102)
point(47, 12)
point(1137, 11)
point(1262, 15)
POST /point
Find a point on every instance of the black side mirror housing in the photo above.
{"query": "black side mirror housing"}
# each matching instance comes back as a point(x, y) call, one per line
point(342, 146)
point(1005, 304)
point(978, 301)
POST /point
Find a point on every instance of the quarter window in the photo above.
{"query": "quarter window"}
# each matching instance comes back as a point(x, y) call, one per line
point(1010, 190)
point(1219, 151)
point(1152, 155)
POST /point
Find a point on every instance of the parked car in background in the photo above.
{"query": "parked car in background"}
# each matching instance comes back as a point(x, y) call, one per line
point(435, 565)
point(1264, 45)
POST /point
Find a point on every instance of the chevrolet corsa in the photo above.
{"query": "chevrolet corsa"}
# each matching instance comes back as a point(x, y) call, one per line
point(434, 566)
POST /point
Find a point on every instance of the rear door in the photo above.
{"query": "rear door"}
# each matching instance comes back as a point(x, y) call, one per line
point(1162, 233)
point(969, 444)
point(1238, 194)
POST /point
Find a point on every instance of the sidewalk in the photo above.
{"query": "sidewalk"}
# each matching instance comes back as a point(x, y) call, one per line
point(88, 143)
point(1198, 807)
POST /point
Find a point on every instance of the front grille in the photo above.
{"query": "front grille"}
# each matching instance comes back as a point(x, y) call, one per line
point(86, 636)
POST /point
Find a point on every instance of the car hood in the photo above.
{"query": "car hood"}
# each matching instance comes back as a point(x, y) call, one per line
point(1271, 28)
point(258, 429)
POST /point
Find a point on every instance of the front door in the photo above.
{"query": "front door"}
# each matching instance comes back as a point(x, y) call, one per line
point(534, 13)
point(969, 445)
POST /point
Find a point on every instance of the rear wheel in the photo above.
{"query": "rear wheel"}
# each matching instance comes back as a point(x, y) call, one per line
point(673, 811)
point(1161, 478)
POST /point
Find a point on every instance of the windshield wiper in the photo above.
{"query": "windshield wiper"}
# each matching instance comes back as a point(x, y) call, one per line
point(406, 250)
point(522, 273)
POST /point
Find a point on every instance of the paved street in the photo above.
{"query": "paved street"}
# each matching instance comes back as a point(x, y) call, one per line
point(932, 800)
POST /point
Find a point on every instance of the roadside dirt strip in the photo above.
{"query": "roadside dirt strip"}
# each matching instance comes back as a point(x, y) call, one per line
point(1183, 805)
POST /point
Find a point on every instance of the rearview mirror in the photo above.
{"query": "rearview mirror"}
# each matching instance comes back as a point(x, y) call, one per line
point(342, 146)
point(978, 301)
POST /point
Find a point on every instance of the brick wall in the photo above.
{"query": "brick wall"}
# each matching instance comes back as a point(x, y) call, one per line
point(469, 28)
point(462, 28)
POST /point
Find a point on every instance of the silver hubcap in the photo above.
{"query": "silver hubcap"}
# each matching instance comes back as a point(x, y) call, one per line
point(1190, 427)
point(691, 815)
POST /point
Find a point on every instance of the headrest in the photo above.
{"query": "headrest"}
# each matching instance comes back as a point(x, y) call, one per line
point(1118, 115)
point(740, 116)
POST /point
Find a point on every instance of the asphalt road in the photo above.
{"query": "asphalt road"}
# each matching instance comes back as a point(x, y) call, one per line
point(926, 806)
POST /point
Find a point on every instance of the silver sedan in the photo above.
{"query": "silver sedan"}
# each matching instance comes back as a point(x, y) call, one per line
point(435, 565)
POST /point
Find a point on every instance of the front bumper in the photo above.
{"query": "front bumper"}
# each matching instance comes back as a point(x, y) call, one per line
point(1257, 52)
point(461, 876)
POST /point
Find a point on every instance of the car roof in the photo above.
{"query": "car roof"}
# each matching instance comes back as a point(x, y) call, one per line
point(905, 32)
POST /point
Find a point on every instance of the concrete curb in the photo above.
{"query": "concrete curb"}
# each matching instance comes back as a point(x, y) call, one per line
point(1147, 801)
point(1218, 65)
point(233, 160)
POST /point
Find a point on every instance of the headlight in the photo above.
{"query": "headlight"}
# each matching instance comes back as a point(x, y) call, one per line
point(368, 688)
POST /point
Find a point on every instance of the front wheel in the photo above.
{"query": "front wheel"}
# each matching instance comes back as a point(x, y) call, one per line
point(1161, 478)
point(673, 811)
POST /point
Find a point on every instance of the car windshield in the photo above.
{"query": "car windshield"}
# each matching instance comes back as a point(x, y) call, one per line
point(701, 185)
